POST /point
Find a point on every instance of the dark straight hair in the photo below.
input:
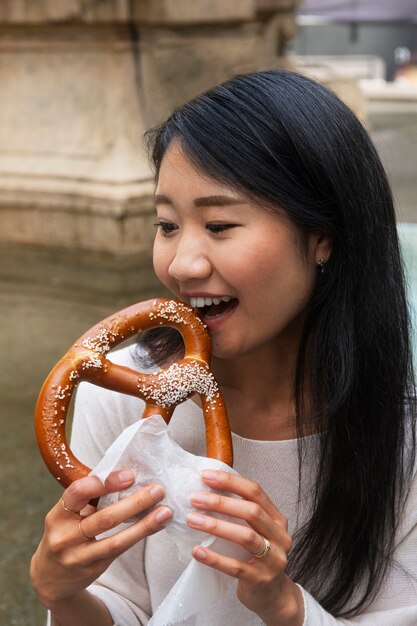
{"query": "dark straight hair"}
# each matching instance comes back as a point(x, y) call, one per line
point(289, 142)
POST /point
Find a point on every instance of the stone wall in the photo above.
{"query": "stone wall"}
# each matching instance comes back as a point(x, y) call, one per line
point(83, 79)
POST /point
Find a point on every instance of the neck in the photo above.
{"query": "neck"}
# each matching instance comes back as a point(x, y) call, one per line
point(258, 391)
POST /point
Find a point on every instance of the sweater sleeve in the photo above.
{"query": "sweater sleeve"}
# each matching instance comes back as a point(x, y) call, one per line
point(99, 417)
point(396, 601)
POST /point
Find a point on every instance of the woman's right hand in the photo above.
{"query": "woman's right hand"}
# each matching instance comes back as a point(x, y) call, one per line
point(69, 557)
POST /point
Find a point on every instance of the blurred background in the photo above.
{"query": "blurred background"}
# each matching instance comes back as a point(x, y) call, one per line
point(81, 80)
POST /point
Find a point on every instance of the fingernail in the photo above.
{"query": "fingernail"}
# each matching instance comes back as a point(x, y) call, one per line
point(200, 552)
point(200, 496)
point(210, 474)
point(163, 515)
point(196, 519)
point(156, 492)
point(126, 476)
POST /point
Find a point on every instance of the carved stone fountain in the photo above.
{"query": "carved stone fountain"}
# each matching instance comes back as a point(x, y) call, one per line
point(82, 80)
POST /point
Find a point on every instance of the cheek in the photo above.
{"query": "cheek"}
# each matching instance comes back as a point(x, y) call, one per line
point(258, 261)
point(161, 263)
point(281, 275)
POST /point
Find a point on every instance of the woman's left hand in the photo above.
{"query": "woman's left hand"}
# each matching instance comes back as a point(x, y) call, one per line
point(263, 586)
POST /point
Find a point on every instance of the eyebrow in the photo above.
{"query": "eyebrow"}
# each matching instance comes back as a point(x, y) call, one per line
point(204, 201)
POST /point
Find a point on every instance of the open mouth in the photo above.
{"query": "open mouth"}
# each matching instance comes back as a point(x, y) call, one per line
point(213, 307)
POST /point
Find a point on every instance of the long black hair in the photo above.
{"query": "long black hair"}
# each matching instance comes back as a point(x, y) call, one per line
point(289, 142)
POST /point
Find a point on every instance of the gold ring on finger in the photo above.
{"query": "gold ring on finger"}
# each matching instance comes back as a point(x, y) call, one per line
point(265, 549)
point(82, 533)
point(68, 510)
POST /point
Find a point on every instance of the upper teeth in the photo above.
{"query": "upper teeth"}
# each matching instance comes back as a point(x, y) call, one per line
point(200, 302)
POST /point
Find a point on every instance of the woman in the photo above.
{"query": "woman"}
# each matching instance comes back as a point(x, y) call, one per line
point(275, 221)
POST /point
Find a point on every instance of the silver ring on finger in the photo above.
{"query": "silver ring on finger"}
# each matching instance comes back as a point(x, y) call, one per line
point(82, 533)
point(265, 549)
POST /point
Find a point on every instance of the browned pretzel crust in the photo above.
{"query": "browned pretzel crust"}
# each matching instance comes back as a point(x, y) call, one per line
point(162, 390)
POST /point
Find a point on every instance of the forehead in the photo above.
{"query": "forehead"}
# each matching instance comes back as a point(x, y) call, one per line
point(180, 180)
point(180, 173)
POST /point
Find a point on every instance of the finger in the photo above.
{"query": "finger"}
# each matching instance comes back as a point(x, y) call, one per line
point(88, 510)
point(67, 510)
point(247, 489)
point(111, 547)
point(114, 514)
point(80, 492)
point(250, 512)
point(225, 564)
point(118, 479)
point(243, 535)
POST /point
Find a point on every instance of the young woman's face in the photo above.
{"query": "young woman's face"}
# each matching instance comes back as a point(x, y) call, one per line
point(243, 268)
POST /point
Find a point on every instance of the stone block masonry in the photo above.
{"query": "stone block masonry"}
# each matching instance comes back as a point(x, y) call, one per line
point(81, 82)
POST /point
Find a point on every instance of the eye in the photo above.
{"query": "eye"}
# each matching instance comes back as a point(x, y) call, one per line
point(166, 228)
point(217, 228)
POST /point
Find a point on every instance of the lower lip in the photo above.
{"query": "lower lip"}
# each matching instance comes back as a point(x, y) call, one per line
point(213, 323)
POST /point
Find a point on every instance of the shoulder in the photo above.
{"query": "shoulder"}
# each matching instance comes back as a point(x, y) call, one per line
point(100, 415)
point(93, 399)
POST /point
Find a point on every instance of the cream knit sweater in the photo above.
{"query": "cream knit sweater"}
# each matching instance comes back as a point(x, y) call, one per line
point(139, 580)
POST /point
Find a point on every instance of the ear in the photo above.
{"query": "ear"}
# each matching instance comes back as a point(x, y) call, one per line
point(323, 248)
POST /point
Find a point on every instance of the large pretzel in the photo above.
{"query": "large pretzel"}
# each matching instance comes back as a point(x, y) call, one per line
point(162, 390)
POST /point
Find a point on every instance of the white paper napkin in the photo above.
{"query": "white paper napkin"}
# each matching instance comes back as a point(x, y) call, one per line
point(147, 449)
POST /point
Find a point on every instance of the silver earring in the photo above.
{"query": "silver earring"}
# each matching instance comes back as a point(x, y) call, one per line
point(320, 265)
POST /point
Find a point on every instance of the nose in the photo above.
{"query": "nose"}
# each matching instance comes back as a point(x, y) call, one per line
point(191, 260)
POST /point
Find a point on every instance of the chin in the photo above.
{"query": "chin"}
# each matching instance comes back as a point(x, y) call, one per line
point(223, 352)
point(228, 351)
